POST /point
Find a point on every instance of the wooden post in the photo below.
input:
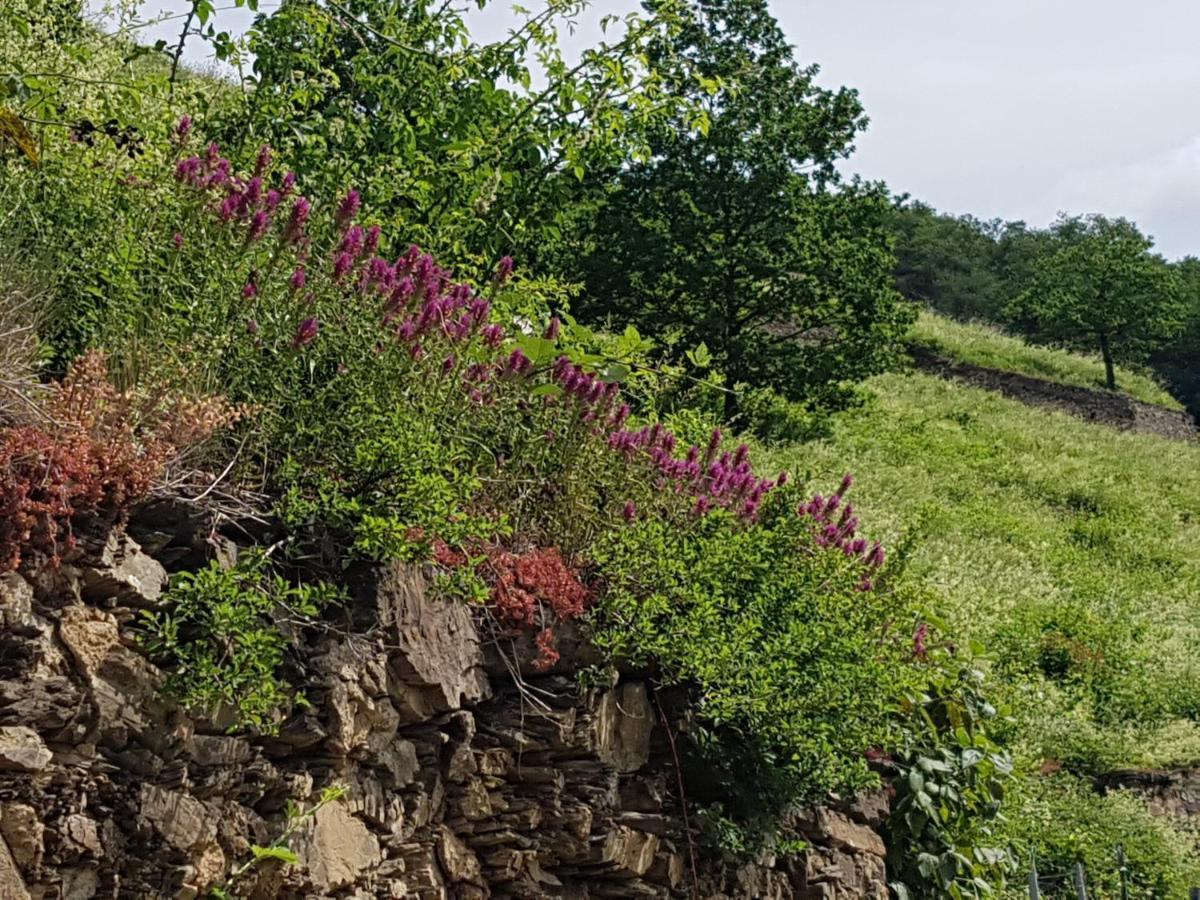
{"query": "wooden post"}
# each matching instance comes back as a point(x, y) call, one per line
point(1080, 884)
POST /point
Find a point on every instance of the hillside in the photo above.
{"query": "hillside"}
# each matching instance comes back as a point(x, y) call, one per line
point(1069, 550)
point(987, 345)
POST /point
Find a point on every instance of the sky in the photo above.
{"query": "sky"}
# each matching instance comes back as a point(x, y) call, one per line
point(1016, 109)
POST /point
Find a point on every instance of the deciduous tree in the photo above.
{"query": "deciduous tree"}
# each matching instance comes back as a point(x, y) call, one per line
point(1102, 287)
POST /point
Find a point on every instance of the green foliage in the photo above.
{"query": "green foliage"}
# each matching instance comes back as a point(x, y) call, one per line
point(1070, 550)
point(221, 635)
point(278, 850)
point(1101, 286)
point(444, 134)
point(770, 629)
point(985, 345)
point(950, 779)
point(775, 419)
point(736, 233)
point(1063, 820)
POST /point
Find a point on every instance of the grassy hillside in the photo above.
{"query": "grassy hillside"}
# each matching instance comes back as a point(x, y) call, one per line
point(986, 345)
point(1071, 552)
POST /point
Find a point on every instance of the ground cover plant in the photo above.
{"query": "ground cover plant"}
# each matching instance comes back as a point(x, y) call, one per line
point(1069, 551)
point(987, 345)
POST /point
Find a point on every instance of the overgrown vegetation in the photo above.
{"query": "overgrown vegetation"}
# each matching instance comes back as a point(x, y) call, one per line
point(1062, 548)
point(226, 276)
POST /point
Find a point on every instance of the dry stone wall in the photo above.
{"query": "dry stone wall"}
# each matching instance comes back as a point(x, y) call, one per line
point(1110, 408)
point(458, 783)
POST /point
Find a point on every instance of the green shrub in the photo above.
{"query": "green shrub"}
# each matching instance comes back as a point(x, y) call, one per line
point(222, 635)
point(774, 632)
point(950, 778)
point(1062, 820)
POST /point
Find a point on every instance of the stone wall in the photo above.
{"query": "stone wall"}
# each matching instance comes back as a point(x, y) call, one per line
point(459, 783)
point(1167, 792)
point(1110, 408)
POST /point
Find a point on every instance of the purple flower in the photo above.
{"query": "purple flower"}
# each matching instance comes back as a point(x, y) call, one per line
point(372, 240)
point(188, 169)
point(493, 335)
point(504, 270)
point(352, 241)
point(630, 511)
point(250, 289)
point(448, 364)
point(177, 240)
point(289, 182)
point(920, 637)
point(252, 326)
point(299, 278)
point(263, 162)
point(259, 223)
point(274, 198)
point(348, 207)
point(342, 265)
point(306, 332)
point(184, 128)
point(301, 210)
point(553, 329)
point(847, 482)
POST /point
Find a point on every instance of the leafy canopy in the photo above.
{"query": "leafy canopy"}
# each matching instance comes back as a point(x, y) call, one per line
point(736, 232)
point(454, 138)
point(1102, 286)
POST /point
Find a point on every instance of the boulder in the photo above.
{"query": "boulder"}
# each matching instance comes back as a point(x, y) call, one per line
point(337, 848)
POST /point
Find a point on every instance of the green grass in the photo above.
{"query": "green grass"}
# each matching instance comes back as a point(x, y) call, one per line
point(986, 345)
point(1070, 550)
point(1071, 553)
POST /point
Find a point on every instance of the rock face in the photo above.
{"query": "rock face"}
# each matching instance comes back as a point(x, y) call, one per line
point(459, 784)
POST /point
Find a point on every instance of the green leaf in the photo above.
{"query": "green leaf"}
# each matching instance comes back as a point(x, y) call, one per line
point(283, 854)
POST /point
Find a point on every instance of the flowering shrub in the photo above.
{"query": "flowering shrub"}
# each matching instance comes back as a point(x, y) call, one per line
point(96, 451)
point(402, 413)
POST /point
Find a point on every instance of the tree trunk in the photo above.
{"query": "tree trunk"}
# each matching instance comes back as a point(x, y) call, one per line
point(1110, 378)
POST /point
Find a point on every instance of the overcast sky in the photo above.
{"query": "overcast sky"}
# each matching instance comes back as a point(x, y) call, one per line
point(1004, 108)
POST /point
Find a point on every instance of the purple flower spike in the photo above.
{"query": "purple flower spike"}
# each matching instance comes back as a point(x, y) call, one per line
point(177, 240)
point(299, 278)
point(348, 208)
point(372, 240)
point(250, 289)
point(630, 511)
point(342, 265)
point(184, 128)
point(263, 161)
point(259, 223)
point(504, 270)
point(301, 210)
point(306, 332)
point(252, 326)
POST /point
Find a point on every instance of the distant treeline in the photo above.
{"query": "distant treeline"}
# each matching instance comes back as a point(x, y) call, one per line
point(1002, 272)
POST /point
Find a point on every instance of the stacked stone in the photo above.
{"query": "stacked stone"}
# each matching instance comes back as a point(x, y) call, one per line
point(460, 780)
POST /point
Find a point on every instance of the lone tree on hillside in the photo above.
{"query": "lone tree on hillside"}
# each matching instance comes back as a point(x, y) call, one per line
point(1102, 287)
point(737, 232)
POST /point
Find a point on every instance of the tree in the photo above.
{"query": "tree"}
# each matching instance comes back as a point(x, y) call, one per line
point(737, 232)
point(947, 262)
point(1101, 286)
point(446, 136)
